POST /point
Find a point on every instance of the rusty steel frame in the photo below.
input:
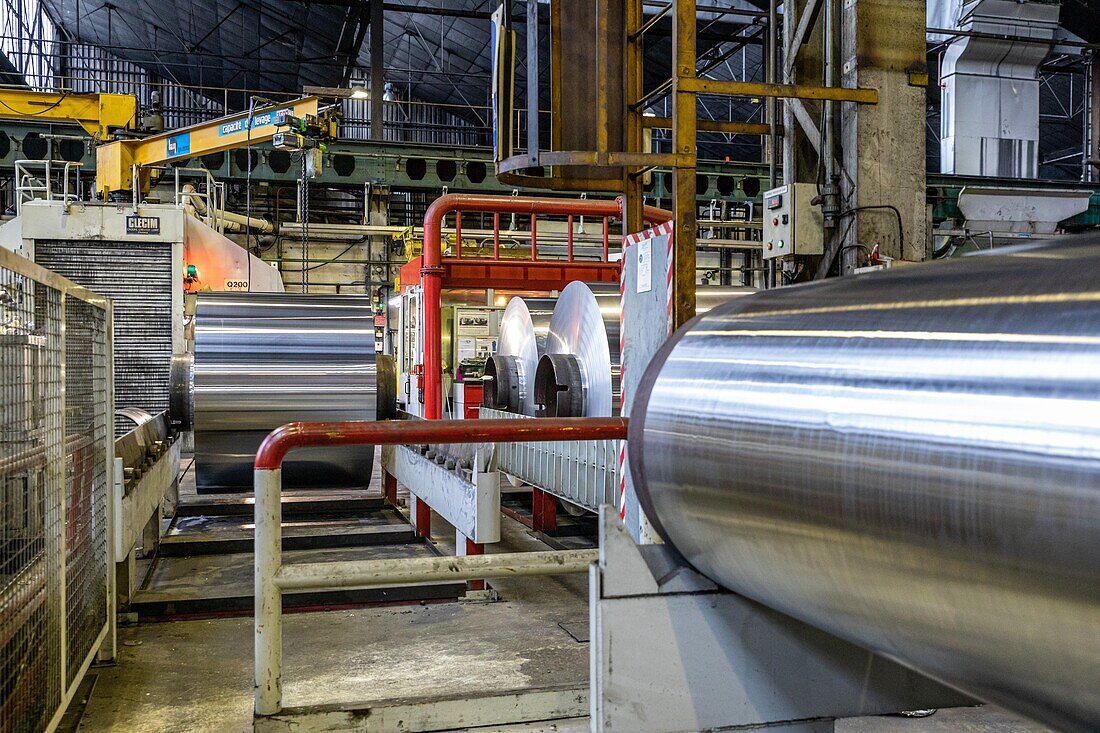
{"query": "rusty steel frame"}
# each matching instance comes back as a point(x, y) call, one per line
point(685, 86)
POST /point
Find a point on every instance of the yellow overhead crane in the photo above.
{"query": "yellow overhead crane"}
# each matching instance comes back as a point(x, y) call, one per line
point(115, 161)
point(98, 114)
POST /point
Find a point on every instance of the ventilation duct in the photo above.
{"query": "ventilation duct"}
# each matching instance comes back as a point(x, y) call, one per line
point(990, 118)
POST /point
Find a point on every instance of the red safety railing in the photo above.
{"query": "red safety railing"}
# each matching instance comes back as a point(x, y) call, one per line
point(293, 435)
point(272, 578)
point(431, 266)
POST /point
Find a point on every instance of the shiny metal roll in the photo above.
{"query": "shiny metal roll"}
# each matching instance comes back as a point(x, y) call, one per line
point(583, 341)
point(708, 297)
point(510, 372)
point(265, 359)
point(579, 373)
point(133, 416)
point(909, 460)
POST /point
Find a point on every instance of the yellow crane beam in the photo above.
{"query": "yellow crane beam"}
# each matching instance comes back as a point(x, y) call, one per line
point(115, 160)
point(96, 113)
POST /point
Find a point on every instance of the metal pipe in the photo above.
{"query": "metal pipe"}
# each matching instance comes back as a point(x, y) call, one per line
point(828, 144)
point(458, 235)
point(364, 573)
point(652, 22)
point(772, 78)
point(431, 271)
point(284, 439)
point(534, 237)
point(193, 200)
point(907, 460)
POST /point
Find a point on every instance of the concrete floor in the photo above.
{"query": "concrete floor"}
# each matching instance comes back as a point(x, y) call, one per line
point(197, 675)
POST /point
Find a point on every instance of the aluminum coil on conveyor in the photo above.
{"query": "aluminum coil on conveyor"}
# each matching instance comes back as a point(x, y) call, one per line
point(510, 372)
point(580, 372)
point(909, 460)
point(266, 359)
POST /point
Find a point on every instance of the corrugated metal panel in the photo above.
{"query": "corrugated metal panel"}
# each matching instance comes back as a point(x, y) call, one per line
point(92, 69)
point(411, 122)
point(137, 277)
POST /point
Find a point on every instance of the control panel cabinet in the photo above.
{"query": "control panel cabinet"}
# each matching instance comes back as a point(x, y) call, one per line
point(792, 225)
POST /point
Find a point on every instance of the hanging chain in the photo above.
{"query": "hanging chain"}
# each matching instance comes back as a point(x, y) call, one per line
point(303, 202)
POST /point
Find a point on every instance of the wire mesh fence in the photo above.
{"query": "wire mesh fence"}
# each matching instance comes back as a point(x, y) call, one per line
point(55, 480)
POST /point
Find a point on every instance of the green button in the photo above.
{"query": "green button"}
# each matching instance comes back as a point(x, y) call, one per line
point(780, 244)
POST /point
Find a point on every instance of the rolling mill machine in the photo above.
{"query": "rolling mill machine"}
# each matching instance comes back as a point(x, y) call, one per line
point(873, 494)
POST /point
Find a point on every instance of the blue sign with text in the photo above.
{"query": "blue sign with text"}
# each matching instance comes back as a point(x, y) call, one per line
point(263, 119)
point(179, 145)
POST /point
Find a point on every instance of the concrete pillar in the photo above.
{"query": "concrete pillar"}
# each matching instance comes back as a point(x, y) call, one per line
point(883, 48)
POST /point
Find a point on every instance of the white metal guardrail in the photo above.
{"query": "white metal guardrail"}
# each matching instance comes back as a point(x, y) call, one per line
point(584, 473)
point(51, 180)
point(56, 465)
point(273, 578)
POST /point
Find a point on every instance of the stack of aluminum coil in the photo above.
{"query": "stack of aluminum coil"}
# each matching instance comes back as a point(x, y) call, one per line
point(266, 359)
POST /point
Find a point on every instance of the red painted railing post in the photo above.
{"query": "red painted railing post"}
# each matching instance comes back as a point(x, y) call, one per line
point(458, 235)
point(496, 235)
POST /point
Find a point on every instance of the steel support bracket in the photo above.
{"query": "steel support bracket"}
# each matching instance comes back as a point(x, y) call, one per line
point(671, 651)
point(471, 507)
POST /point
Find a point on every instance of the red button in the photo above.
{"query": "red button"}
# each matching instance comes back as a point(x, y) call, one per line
point(775, 222)
point(769, 245)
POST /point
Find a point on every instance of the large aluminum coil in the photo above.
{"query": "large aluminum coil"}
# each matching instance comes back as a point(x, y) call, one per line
point(909, 460)
point(578, 376)
point(510, 372)
point(583, 344)
point(266, 359)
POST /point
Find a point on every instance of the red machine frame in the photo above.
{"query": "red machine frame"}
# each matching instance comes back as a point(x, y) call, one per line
point(435, 272)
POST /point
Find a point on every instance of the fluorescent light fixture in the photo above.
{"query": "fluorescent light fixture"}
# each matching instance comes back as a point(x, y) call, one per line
point(356, 92)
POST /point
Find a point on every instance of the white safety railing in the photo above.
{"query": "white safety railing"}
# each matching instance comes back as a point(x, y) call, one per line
point(209, 204)
point(272, 578)
point(50, 180)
